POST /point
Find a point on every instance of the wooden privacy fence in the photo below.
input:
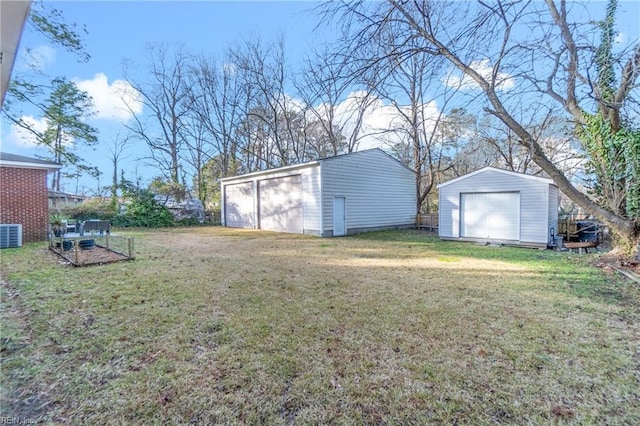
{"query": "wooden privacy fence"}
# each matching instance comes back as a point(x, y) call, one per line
point(427, 221)
point(213, 216)
point(573, 226)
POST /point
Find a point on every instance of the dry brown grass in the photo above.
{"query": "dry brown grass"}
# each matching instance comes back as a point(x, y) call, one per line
point(216, 325)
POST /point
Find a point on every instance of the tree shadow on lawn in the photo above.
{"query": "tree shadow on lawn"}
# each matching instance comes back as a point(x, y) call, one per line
point(571, 274)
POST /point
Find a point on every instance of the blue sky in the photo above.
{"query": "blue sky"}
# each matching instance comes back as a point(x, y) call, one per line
point(120, 30)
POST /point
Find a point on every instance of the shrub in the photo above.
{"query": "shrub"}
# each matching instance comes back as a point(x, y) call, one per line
point(188, 221)
point(90, 209)
point(143, 210)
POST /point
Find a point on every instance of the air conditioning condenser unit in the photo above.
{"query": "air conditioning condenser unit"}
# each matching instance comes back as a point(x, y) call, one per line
point(10, 236)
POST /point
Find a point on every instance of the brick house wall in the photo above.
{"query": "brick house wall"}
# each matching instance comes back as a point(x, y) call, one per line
point(23, 199)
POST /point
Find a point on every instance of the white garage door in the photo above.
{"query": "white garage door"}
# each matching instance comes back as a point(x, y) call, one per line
point(490, 215)
point(238, 205)
point(281, 204)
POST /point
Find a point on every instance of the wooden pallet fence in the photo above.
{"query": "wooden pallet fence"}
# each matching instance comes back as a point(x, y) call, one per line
point(568, 226)
point(427, 221)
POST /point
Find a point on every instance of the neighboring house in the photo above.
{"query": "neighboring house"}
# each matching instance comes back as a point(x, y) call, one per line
point(23, 194)
point(346, 194)
point(499, 206)
point(63, 199)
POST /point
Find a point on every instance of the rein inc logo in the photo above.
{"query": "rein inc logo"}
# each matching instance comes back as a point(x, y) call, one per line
point(8, 420)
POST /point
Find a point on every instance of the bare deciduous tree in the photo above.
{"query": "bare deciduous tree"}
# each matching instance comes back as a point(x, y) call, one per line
point(218, 105)
point(167, 102)
point(330, 90)
point(514, 53)
point(117, 146)
point(269, 119)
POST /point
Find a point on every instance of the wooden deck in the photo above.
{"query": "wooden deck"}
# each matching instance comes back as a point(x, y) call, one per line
point(586, 245)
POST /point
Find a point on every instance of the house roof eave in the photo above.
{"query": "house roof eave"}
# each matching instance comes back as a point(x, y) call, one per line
point(19, 161)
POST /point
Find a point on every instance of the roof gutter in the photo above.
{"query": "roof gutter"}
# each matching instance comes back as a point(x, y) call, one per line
point(13, 15)
point(51, 167)
point(271, 171)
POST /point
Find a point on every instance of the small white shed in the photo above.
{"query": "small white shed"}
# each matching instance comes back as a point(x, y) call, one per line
point(350, 193)
point(499, 206)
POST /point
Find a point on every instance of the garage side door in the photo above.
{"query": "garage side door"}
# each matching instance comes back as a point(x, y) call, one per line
point(238, 205)
point(490, 215)
point(281, 204)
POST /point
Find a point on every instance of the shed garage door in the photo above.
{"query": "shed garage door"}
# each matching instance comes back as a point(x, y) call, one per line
point(238, 205)
point(490, 215)
point(281, 204)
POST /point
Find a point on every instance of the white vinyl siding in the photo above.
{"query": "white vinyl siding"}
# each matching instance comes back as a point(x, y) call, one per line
point(379, 191)
point(553, 209)
point(309, 176)
point(238, 205)
point(493, 215)
point(311, 205)
point(280, 204)
point(538, 202)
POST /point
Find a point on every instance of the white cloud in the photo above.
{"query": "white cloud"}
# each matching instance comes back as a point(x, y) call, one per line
point(21, 137)
point(37, 58)
point(115, 101)
point(294, 104)
point(455, 79)
point(229, 68)
point(378, 119)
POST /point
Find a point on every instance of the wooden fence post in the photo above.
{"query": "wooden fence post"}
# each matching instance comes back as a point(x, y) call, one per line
point(130, 247)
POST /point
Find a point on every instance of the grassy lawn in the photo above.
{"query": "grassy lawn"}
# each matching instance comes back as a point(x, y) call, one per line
point(214, 325)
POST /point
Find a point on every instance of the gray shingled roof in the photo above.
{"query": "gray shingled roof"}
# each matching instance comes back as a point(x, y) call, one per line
point(7, 159)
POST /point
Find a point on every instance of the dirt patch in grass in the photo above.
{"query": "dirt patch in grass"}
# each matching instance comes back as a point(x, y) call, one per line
point(619, 264)
point(93, 250)
point(94, 256)
point(215, 325)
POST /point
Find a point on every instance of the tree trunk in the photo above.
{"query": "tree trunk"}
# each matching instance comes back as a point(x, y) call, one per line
point(626, 232)
point(58, 157)
point(114, 184)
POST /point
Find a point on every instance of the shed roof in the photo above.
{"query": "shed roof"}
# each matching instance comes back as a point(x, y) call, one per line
point(311, 164)
point(493, 169)
point(14, 160)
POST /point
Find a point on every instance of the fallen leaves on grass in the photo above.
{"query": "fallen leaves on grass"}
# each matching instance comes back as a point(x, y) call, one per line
point(226, 326)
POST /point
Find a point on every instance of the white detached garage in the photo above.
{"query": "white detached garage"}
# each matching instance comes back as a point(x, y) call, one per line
point(500, 206)
point(350, 193)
